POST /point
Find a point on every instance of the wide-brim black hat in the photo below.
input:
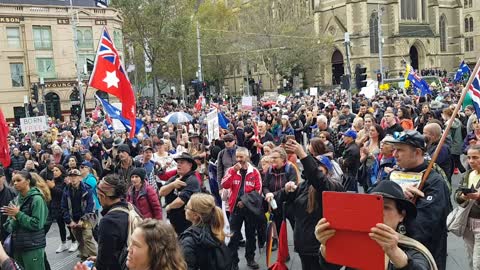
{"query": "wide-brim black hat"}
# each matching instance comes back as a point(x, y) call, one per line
point(189, 158)
point(391, 190)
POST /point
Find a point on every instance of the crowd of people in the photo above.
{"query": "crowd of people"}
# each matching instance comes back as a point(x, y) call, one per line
point(155, 201)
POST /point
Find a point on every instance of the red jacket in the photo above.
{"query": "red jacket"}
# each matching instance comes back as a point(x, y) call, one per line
point(146, 201)
point(233, 180)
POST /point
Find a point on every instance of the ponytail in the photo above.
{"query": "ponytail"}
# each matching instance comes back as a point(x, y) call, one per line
point(312, 200)
point(217, 223)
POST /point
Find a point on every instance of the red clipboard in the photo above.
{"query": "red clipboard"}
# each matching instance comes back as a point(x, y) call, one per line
point(352, 216)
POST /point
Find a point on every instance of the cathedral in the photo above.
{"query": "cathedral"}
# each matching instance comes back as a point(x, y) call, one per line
point(425, 33)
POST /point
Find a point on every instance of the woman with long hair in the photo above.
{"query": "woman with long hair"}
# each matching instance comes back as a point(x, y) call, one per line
point(154, 245)
point(205, 235)
point(27, 216)
point(306, 201)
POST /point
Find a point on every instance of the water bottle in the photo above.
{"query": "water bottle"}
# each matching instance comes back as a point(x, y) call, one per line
point(273, 204)
point(89, 264)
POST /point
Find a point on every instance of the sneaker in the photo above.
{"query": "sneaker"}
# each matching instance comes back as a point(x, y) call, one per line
point(73, 247)
point(61, 248)
point(253, 264)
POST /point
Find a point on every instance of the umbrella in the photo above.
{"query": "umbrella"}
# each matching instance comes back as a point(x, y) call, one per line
point(269, 103)
point(178, 117)
point(282, 249)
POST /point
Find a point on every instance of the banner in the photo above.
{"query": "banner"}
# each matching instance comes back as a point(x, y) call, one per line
point(213, 126)
point(247, 103)
point(33, 124)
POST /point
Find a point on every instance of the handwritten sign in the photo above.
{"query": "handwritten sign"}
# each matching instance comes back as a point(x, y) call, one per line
point(213, 127)
point(33, 124)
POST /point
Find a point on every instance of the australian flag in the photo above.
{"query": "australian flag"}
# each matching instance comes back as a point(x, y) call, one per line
point(113, 112)
point(419, 84)
point(109, 76)
point(463, 70)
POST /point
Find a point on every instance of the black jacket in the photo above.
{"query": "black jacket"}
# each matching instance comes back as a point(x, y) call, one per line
point(430, 225)
point(7, 194)
point(55, 209)
point(112, 237)
point(395, 128)
point(305, 242)
point(199, 244)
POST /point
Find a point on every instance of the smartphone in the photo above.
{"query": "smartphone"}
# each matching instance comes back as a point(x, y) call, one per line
point(468, 190)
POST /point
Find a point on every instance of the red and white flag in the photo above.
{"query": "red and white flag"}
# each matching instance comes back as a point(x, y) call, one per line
point(109, 76)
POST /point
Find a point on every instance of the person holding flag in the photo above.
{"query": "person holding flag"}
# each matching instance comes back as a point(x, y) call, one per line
point(109, 76)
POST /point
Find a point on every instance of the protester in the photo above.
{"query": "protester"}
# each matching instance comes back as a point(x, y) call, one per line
point(306, 200)
point(155, 246)
point(402, 251)
point(432, 133)
point(226, 157)
point(433, 201)
point(204, 240)
point(178, 190)
point(242, 178)
point(350, 161)
point(27, 216)
point(114, 224)
point(78, 209)
point(7, 194)
point(471, 180)
point(89, 178)
point(143, 196)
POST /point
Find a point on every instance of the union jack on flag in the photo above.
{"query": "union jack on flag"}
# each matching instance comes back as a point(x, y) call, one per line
point(109, 76)
point(474, 90)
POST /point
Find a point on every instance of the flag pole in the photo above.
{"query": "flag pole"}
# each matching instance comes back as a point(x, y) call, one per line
point(449, 125)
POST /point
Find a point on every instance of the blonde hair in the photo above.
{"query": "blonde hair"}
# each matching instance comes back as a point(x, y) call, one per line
point(204, 205)
point(42, 186)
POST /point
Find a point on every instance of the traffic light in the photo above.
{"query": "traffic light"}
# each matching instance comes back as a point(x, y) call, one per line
point(34, 93)
point(360, 77)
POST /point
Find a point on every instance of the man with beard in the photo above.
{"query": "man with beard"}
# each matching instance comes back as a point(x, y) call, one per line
point(125, 163)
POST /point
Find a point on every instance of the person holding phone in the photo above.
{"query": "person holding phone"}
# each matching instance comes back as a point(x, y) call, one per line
point(392, 235)
point(468, 191)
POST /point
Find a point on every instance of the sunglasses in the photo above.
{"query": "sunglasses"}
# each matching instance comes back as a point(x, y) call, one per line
point(227, 141)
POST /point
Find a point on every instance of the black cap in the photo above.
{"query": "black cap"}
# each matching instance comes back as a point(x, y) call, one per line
point(140, 172)
point(391, 190)
point(409, 137)
point(124, 148)
point(228, 137)
point(189, 158)
point(342, 117)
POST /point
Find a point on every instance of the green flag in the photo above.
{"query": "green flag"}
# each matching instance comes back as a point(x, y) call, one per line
point(467, 101)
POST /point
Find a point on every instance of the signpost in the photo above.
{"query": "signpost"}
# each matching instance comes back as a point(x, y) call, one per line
point(33, 124)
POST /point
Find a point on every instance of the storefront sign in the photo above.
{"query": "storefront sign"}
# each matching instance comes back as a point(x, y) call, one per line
point(33, 124)
point(100, 22)
point(5, 19)
point(63, 21)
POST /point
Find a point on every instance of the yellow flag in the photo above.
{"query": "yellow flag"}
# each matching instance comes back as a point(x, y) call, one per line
point(407, 82)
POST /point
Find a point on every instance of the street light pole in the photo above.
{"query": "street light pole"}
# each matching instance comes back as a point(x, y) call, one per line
point(380, 43)
point(79, 76)
point(199, 51)
point(180, 62)
point(348, 71)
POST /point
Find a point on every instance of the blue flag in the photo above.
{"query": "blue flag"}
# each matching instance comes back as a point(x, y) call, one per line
point(419, 84)
point(461, 71)
point(116, 113)
point(223, 121)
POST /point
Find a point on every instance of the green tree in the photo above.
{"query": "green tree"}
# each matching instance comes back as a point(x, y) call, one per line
point(159, 29)
point(279, 36)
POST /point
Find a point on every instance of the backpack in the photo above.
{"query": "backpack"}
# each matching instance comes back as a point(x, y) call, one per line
point(221, 258)
point(134, 218)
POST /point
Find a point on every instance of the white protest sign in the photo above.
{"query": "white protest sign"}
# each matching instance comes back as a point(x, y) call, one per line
point(213, 127)
point(33, 124)
point(313, 91)
point(247, 103)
